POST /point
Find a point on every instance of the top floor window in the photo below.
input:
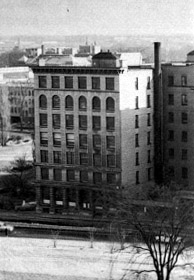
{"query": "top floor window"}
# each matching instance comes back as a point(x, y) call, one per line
point(183, 80)
point(82, 82)
point(95, 82)
point(110, 84)
point(55, 80)
point(184, 100)
point(148, 83)
point(170, 81)
point(56, 102)
point(110, 104)
point(69, 103)
point(82, 103)
point(69, 82)
point(96, 104)
point(42, 81)
point(42, 102)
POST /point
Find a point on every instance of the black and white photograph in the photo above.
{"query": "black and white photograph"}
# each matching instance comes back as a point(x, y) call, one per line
point(96, 140)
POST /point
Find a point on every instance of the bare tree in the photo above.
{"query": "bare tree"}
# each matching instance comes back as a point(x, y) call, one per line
point(163, 227)
point(4, 114)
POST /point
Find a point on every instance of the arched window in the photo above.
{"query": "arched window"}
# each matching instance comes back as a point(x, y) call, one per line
point(96, 104)
point(69, 103)
point(82, 103)
point(42, 102)
point(110, 104)
point(56, 102)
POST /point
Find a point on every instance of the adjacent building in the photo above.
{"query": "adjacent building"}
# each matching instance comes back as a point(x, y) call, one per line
point(93, 131)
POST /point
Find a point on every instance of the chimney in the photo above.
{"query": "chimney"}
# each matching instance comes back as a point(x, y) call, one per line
point(158, 114)
point(42, 50)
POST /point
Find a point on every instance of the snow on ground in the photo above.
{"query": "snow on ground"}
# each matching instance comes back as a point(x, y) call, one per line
point(14, 150)
point(30, 259)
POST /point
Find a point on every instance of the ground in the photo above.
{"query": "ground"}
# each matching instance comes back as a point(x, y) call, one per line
point(37, 259)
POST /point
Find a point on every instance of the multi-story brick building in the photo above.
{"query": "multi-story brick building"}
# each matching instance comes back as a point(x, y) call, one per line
point(93, 131)
point(178, 118)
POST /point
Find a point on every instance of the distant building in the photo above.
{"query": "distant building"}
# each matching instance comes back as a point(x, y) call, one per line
point(93, 131)
point(89, 49)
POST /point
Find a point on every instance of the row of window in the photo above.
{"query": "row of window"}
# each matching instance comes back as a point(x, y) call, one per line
point(82, 103)
point(184, 154)
point(137, 162)
point(83, 122)
point(171, 80)
point(83, 140)
point(83, 176)
point(137, 139)
point(18, 110)
point(18, 101)
point(82, 82)
point(184, 99)
point(137, 120)
point(184, 117)
point(30, 93)
point(184, 172)
point(148, 101)
point(83, 158)
point(171, 136)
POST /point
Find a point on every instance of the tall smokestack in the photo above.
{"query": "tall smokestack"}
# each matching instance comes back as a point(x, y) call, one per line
point(158, 114)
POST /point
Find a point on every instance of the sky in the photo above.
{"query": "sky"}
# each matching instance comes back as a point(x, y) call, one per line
point(100, 17)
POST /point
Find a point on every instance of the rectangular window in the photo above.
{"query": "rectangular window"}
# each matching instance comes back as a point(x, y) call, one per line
point(170, 99)
point(44, 138)
point(83, 122)
point(44, 173)
point(136, 83)
point(149, 156)
point(97, 159)
point(184, 136)
point(170, 81)
point(69, 121)
point(137, 158)
point(96, 122)
point(45, 195)
point(110, 123)
point(171, 171)
point(170, 117)
point(148, 83)
point(70, 175)
point(148, 101)
point(148, 119)
point(110, 142)
point(97, 178)
point(111, 178)
point(57, 157)
point(136, 102)
point(171, 153)
point(184, 154)
point(56, 121)
point(70, 157)
point(95, 82)
point(57, 139)
point(136, 140)
point(57, 174)
point(149, 138)
point(43, 156)
point(110, 84)
point(83, 141)
point(96, 141)
point(83, 158)
point(70, 140)
point(55, 81)
point(42, 81)
point(83, 176)
point(184, 173)
point(136, 121)
point(184, 100)
point(137, 177)
point(171, 135)
point(183, 80)
point(184, 118)
point(82, 82)
point(110, 160)
point(43, 120)
point(69, 82)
